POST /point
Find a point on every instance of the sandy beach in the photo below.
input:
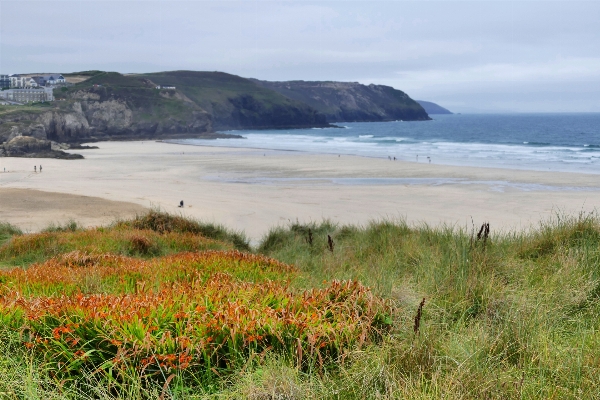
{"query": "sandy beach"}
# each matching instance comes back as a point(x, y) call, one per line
point(253, 190)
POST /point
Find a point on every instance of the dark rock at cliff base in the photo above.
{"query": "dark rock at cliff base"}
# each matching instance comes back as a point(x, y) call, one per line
point(351, 101)
point(76, 146)
point(27, 146)
point(433, 108)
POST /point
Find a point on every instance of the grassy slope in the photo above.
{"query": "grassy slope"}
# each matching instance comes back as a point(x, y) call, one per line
point(515, 316)
point(237, 102)
point(142, 97)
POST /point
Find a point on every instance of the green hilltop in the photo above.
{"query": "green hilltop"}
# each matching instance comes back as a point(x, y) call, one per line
point(238, 103)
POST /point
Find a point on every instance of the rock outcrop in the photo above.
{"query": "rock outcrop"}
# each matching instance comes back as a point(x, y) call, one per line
point(351, 101)
point(28, 146)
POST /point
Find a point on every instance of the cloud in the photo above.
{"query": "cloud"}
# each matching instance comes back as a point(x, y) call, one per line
point(425, 48)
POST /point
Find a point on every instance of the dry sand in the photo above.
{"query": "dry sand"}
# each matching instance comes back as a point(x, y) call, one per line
point(253, 190)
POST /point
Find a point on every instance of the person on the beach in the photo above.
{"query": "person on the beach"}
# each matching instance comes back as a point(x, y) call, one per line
point(181, 204)
point(35, 168)
point(40, 167)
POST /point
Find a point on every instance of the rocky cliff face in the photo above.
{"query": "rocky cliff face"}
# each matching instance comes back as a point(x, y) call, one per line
point(90, 116)
point(246, 112)
point(351, 101)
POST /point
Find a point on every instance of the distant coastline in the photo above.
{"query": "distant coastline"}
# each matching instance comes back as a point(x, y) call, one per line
point(91, 106)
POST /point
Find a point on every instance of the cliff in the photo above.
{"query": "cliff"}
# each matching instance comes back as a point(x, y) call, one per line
point(118, 108)
point(239, 103)
point(433, 108)
point(112, 106)
point(350, 101)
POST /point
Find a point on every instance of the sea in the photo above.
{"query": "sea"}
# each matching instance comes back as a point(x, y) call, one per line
point(540, 142)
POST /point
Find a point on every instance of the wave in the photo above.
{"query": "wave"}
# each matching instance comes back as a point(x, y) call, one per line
point(482, 146)
point(538, 143)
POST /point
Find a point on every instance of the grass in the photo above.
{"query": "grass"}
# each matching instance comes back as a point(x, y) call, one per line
point(236, 102)
point(513, 316)
point(7, 231)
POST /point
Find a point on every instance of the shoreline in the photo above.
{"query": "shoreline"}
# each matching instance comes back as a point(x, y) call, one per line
point(219, 184)
point(449, 142)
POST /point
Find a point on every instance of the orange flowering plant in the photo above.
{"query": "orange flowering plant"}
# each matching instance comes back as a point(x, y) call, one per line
point(199, 313)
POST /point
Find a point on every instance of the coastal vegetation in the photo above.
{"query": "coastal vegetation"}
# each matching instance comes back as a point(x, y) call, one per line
point(239, 103)
point(161, 306)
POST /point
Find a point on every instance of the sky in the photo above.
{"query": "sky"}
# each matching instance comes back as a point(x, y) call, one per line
point(468, 56)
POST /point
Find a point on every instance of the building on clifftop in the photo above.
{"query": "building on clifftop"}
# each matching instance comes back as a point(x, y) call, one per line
point(27, 95)
point(17, 81)
point(4, 81)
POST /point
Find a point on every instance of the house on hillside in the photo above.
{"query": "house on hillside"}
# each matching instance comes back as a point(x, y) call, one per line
point(46, 80)
point(54, 79)
point(38, 80)
point(31, 83)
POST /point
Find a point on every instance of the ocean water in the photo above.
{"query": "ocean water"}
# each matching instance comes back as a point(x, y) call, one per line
point(543, 142)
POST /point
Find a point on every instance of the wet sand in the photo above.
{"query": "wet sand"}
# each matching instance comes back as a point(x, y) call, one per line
point(253, 190)
point(34, 210)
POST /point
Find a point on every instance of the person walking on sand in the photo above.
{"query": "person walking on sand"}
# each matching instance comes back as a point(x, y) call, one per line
point(181, 204)
point(40, 167)
point(35, 168)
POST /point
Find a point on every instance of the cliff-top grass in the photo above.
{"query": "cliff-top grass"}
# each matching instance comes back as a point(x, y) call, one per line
point(161, 306)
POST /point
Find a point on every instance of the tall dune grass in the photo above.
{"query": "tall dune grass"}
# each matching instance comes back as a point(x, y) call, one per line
point(514, 316)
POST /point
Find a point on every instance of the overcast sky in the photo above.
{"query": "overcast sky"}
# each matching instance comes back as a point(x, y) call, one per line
point(531, 56)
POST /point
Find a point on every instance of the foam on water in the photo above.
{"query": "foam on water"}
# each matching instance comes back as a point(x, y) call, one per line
point(556, 142)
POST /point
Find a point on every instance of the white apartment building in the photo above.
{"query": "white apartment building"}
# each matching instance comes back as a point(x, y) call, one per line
point(17, 81)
